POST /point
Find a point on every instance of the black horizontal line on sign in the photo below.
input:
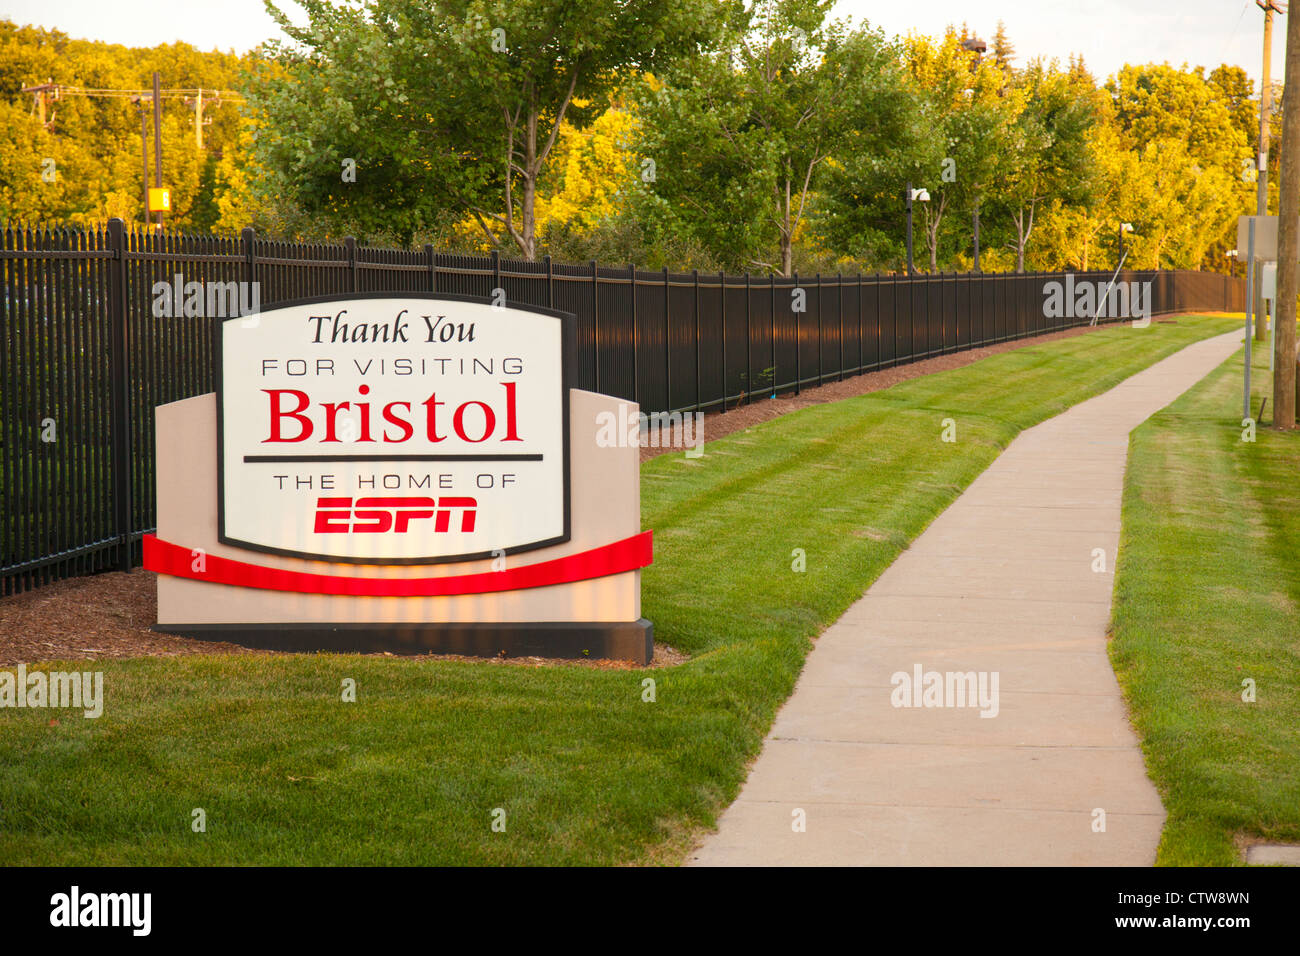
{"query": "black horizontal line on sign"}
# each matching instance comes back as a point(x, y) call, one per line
point(259, 459)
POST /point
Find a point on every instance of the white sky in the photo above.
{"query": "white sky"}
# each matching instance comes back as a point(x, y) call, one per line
point(1108, 33)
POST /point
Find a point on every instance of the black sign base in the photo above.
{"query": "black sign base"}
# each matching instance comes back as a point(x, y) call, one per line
point(620, 641)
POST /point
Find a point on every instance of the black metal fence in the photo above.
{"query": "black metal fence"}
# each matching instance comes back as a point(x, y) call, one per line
point(84, 362)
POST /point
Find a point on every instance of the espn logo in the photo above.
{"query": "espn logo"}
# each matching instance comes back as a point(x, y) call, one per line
point(382, 515)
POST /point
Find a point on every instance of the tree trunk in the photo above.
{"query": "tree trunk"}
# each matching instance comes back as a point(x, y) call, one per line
point(528, 227)
point(528, 207)
point(787, 243)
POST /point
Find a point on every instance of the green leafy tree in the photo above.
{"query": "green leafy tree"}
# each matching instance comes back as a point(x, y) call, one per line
point(1049, 156)
point(746, 138)
point(972, 114)
point(84, 164)
point(1003, 53)
point(450, 109)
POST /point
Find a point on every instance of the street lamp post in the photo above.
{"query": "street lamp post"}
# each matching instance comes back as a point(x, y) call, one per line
point(917, 195)
point(977, 236)
point(1123, 228)
point(909, 228)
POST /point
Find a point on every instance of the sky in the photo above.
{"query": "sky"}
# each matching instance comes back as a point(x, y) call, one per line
point(1108, 33)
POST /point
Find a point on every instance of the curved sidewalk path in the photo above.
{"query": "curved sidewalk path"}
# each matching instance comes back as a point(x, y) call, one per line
point(1003, 583)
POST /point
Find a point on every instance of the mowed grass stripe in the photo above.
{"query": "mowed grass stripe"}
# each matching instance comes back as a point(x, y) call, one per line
point(585, 770)
point(1207, 595)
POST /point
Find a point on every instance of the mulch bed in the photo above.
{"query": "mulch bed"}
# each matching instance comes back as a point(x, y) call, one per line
point(108, 616)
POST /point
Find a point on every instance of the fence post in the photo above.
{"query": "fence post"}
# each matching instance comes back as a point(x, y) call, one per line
point(432, 260)
point(943, 332)
point(839, 292)
point(722, 297)
point(550, 284)
point(495, 255)
point(595, 320)
point(798, 343)
point(668, 351)
point(859, 320)
point(880, 323)
point(749, 342)
point(771, 281)
point(350, 246)
point(246, 239)
point(821, 335)
point(695, 278)
point(120, 385)
point(636, 339)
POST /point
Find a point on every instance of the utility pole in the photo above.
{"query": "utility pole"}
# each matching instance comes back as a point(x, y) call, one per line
point(157, 140)
point(1265, 108)
point(1288, 242)
point(198, 121)
point(44, 93)
point(139, 102)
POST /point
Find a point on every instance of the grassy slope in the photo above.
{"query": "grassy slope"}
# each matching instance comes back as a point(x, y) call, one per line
point(586, 771)
point(1207, 594)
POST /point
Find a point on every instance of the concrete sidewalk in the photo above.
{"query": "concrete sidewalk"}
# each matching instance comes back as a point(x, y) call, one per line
point(1001, 583)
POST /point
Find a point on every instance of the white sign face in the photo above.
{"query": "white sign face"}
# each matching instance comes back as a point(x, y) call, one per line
point(402, 429)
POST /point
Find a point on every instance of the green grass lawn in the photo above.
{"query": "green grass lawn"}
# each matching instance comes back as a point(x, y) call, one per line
point(585, 771)
point(1207, 596)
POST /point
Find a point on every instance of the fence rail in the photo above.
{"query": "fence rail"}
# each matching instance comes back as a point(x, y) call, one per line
point(84, 361)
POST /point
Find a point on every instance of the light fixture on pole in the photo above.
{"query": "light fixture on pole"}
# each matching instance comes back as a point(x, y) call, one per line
point(1123, 228)
point(913, 195)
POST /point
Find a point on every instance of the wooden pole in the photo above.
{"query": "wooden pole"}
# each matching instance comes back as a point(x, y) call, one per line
point(1284, 379)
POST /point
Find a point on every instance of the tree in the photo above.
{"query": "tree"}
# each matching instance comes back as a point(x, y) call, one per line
point(454, 108)
point(971, 114)
point(1082, 234)
point(1158, 101)
point(84, 165)
point(1191, 148)
point(1049, 156)
point(743, 140)
point(1003, 52)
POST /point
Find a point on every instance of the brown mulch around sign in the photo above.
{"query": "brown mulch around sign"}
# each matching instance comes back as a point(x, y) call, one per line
point(98, 617)
point(108, 616)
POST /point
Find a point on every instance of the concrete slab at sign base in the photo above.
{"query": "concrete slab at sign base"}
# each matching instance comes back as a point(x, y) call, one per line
point(618, 641)
point(1042, 770)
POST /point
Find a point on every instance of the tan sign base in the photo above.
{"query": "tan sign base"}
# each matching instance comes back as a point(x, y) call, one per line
point(599, 617)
